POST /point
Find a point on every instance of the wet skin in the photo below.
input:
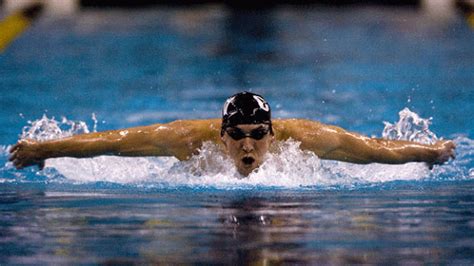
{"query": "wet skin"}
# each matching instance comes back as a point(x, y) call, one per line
point(247, 153)
point(183, 138)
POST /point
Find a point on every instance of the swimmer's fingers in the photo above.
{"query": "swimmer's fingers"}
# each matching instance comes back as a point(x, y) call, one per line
point(446, 151)
point(24, 154)
point(20, 164)
point(17, 163)
point(453, 150)
point(12, 157)
point(15, 147)
point(18, 146)
point(14, 151)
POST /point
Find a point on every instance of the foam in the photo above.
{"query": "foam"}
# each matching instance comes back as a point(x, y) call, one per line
point(46, 128)
point(410, 127)
point(286, 166)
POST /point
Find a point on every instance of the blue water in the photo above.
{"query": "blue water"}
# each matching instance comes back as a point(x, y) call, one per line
point(354, 68)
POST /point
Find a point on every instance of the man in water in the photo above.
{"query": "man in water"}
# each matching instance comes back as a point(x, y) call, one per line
point(246, 132)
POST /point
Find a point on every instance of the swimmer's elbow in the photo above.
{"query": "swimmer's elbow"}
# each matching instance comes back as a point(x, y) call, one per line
point(184, 156)
point(184, 152)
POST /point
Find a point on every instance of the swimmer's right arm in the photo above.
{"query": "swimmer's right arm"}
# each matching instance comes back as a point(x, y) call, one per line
point(179, 139)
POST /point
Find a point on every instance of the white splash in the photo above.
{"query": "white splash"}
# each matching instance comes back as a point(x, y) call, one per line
point(123, 170)
point(94, 119)
point(410, 127)
point(4, 150)
point(48, 128)
point(211, 167)
point(286, 166)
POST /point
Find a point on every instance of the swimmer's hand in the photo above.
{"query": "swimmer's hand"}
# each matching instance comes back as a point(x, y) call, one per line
point(27, 153)
point(445, 151)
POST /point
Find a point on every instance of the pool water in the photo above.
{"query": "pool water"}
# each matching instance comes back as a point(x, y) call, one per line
point(351, 67)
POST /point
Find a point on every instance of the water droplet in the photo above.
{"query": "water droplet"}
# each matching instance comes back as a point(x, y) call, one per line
point(94, 119)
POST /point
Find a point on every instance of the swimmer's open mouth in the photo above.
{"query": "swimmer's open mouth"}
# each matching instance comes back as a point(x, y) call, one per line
point(248, 160)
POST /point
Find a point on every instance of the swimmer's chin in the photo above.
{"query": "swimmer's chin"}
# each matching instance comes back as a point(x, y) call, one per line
point(246, 166)
point(244, 172)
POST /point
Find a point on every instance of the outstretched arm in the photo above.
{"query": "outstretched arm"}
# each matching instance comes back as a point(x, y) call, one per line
point(335, 143)
point(180, 138)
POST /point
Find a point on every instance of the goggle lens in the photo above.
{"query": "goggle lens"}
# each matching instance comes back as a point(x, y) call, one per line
point(238, 134)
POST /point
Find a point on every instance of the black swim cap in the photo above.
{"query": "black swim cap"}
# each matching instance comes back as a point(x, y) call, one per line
point(245, 108)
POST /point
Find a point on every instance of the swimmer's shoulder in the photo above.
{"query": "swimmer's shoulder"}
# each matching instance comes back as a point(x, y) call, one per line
point(199, 129)
point(212, 123)
point(294, 127)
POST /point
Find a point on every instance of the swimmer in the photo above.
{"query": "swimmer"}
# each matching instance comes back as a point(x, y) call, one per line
point(245, 132)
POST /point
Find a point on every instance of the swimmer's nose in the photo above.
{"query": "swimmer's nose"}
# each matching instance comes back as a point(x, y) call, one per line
point(247, 145)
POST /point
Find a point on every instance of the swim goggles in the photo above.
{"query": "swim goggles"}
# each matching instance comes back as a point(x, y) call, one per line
point(238, 134)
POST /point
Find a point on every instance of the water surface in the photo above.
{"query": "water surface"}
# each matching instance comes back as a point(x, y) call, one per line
point(354, 68)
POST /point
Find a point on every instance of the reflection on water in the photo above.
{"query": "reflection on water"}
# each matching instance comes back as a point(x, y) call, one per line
point(433, 225)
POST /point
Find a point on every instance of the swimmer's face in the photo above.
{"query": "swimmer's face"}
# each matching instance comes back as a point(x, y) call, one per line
point(247, 145)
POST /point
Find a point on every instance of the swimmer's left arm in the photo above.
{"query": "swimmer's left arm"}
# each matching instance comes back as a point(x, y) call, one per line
point(335, 143)
point(356, 148)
